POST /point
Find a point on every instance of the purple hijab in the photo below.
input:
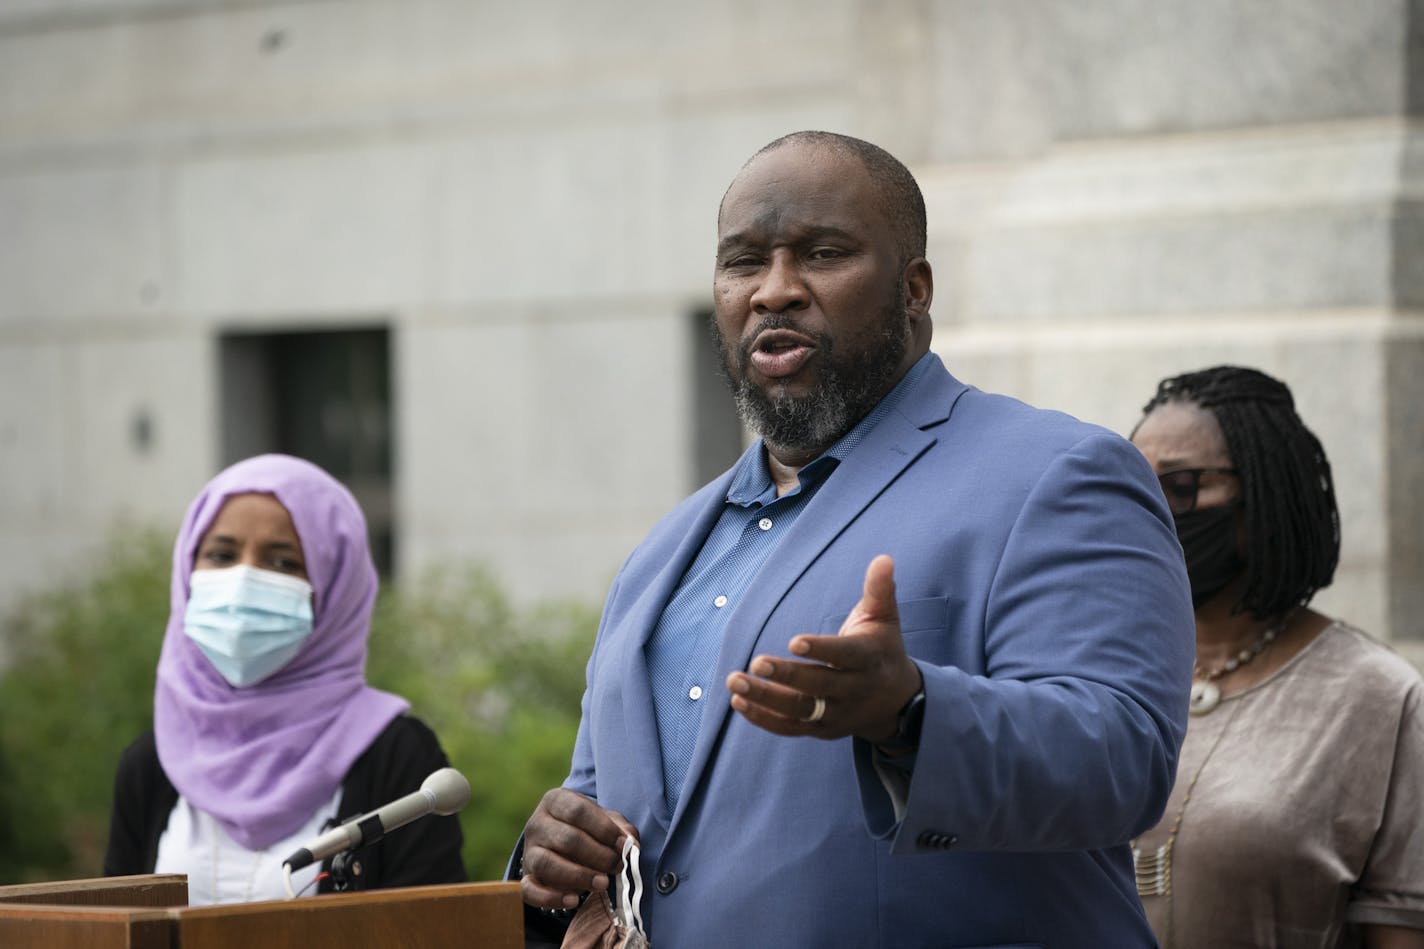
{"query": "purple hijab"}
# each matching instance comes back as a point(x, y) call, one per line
point(262, 759)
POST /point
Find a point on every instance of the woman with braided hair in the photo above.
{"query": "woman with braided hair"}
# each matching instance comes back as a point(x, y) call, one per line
point(1297, 818)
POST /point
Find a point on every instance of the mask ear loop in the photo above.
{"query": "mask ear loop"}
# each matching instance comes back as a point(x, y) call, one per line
point(630, 898)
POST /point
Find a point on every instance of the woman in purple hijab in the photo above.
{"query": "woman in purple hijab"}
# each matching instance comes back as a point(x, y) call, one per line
point(265, 731)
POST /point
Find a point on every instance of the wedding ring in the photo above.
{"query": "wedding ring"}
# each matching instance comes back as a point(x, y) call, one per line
point(817, 711)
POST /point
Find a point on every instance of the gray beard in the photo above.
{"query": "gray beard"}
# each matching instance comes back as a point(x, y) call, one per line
point(845, 391)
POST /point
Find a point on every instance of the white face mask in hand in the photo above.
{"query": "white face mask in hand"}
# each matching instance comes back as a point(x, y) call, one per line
point(248, 622)
point(612, 923)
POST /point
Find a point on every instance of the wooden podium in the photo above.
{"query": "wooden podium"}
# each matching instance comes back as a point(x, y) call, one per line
point(151, 912)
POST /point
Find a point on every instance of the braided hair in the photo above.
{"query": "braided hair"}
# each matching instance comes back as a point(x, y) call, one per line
point(1292, 521)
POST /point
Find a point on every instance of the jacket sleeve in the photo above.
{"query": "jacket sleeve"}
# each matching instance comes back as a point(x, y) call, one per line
point(1069, 739)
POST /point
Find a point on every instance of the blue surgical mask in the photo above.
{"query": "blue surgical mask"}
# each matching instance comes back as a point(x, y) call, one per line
point(248, 622)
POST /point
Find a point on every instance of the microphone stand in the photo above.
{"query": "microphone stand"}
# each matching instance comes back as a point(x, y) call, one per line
point(346, 870)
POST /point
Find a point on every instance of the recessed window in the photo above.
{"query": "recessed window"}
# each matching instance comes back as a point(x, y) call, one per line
point(323, 396)
point(717, 436)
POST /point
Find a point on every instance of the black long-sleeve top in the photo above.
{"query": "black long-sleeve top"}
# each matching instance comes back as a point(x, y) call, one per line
point(424, 852)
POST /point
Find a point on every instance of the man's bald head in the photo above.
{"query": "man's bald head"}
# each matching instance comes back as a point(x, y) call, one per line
point(897, 193)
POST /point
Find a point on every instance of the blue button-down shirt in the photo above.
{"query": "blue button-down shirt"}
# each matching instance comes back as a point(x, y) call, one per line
point(682, 652)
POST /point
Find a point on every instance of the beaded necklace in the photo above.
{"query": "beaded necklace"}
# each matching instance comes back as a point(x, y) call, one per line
point(1206, 694)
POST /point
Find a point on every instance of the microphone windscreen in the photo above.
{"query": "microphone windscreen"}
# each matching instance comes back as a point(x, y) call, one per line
point(450, 789)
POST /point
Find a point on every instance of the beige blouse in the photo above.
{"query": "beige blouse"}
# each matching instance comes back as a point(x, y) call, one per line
point(1305, 812)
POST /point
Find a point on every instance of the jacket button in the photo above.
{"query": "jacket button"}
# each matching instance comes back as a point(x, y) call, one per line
point(667, 882)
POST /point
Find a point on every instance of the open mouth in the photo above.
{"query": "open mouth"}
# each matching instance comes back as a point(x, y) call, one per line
point(779, 353)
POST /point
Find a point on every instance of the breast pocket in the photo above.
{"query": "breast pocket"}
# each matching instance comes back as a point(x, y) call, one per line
point(934, 631)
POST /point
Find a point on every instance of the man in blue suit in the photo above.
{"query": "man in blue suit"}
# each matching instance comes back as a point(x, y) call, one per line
point(914, 671)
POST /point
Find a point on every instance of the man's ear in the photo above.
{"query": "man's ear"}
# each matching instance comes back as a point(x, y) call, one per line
point(919, 289)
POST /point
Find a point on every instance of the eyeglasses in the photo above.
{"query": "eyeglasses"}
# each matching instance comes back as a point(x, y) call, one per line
point(1181, 486)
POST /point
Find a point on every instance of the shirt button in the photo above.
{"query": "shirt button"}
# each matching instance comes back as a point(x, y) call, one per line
point(667, 882)
point(720, 602)
point(695, 693)
point(764, 523)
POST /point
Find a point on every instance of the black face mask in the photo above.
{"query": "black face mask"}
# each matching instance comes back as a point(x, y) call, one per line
point(1208, 539)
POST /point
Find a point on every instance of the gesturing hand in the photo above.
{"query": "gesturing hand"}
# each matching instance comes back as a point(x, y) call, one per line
point(571, 846)
point(861, 676)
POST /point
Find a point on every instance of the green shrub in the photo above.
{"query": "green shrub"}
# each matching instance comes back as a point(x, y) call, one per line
point(499, 685)
point(76, 689)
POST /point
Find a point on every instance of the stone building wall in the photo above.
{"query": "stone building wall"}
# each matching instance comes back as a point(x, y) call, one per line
point(524, 196)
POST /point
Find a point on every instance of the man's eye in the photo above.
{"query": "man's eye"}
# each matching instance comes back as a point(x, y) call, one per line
point(826, 253)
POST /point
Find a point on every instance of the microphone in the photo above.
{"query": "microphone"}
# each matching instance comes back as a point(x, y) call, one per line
point(443, 793)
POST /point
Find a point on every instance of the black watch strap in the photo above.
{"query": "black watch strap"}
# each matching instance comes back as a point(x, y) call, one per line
point(907, 726)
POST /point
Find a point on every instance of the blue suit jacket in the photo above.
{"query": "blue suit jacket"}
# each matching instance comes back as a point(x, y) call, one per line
point(1042, 592)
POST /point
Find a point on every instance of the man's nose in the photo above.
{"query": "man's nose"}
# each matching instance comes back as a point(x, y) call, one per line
point(782, 287)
